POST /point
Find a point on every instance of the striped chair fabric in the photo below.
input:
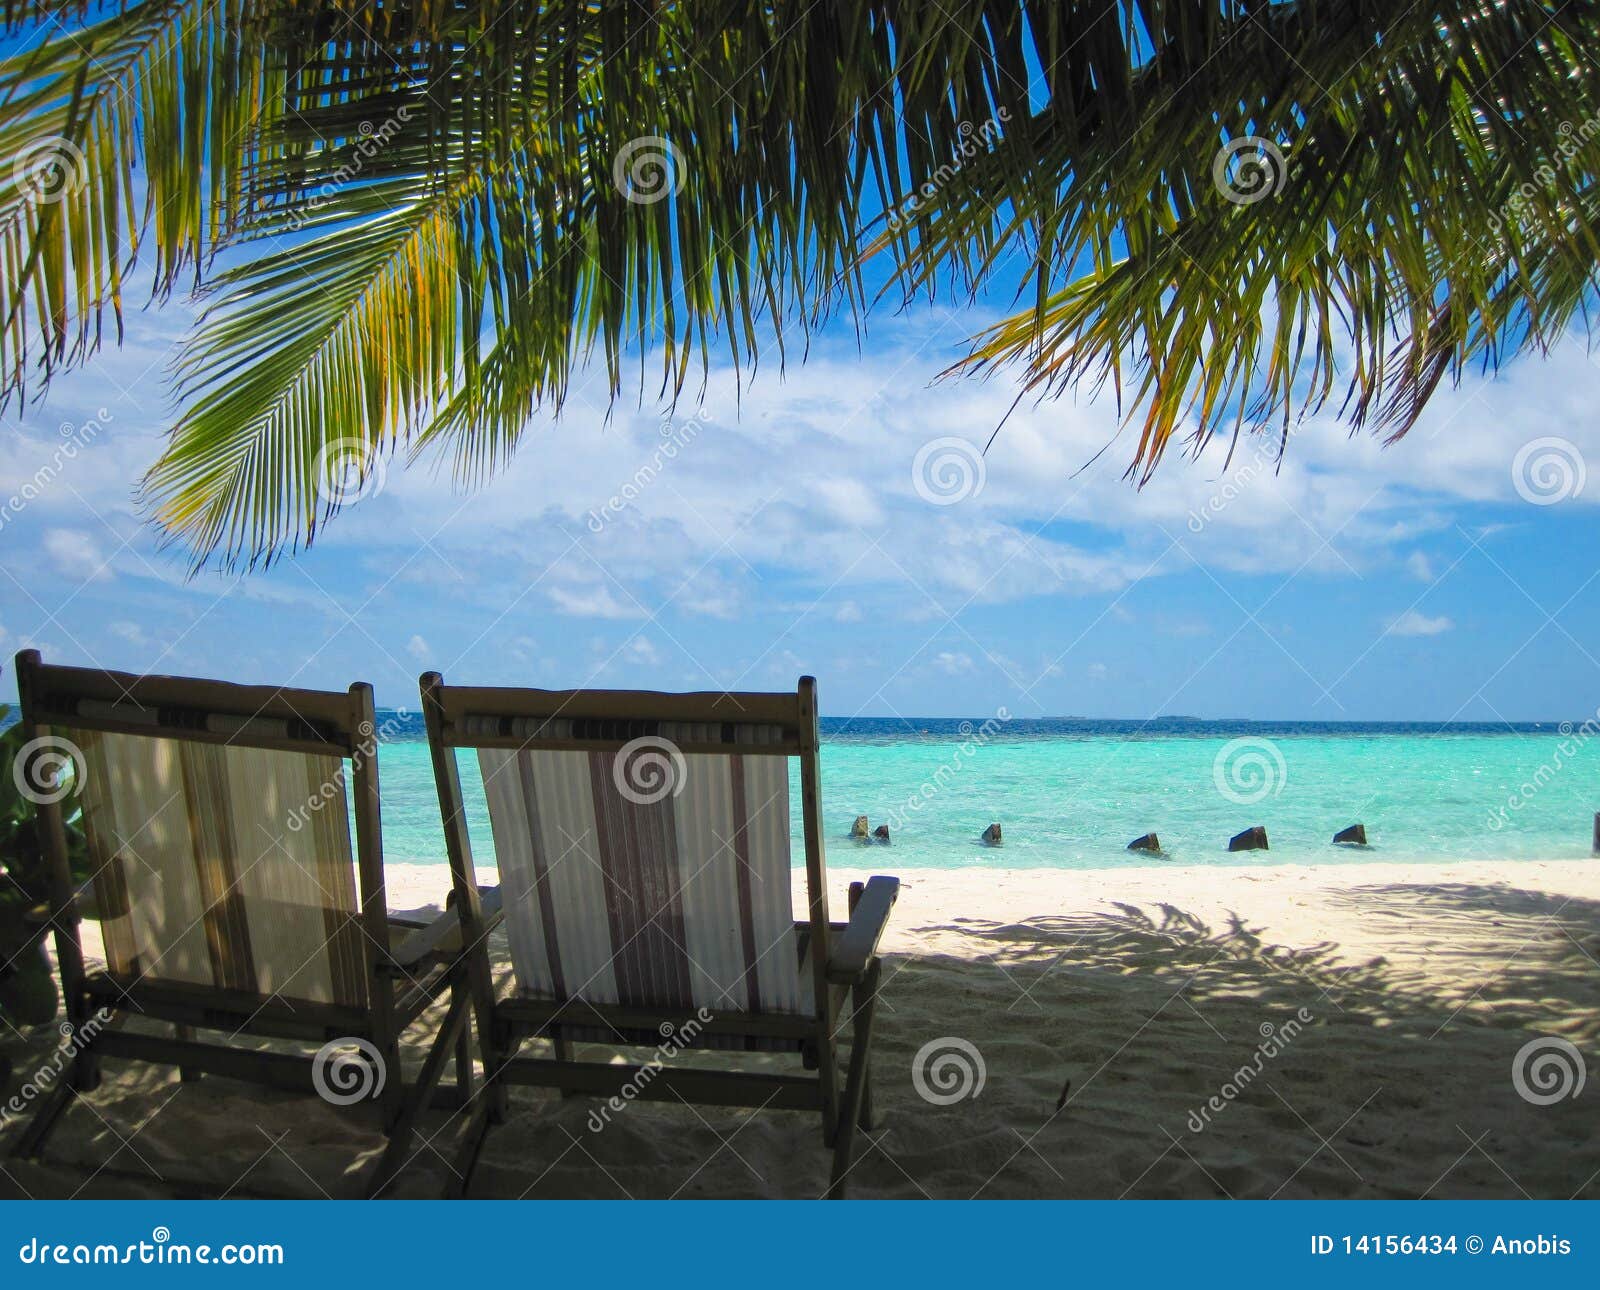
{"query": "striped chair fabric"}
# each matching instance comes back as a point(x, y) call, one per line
point(663, 886)
point(222, 865)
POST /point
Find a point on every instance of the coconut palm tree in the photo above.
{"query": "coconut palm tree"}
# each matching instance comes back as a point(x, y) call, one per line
point(409, 224)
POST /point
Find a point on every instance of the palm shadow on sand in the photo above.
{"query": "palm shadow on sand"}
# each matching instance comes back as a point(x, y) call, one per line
point(1136, 1051)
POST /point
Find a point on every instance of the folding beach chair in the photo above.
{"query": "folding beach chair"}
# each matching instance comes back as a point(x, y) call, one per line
point(218, 833)
point(643, 847)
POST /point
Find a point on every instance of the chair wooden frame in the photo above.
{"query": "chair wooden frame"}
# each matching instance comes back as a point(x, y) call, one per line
point(401, 980)
point(843, 955)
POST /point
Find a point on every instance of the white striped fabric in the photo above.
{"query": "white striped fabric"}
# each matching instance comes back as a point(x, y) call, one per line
point(667, 894)
point(223, 866)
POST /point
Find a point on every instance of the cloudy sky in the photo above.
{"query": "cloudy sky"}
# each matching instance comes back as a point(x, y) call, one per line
point(837, 519)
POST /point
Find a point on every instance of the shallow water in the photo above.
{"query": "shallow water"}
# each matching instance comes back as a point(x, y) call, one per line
point(1072, 794)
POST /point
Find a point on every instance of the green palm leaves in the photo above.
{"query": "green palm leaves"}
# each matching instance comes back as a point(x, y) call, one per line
point(429, 215)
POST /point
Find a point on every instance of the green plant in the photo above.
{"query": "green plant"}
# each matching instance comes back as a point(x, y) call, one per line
point(27, 989)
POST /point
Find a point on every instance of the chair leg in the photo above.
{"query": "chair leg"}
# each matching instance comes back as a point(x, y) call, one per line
point(392, 1100)
point(82, 1076)
point(188, 1074)
point(466, 1164)
point(460, 996)
point(417, 1098)
point(30, 1145)
point(562, 1052)
point(868, 1118)
point(865, 1001)
point(86, 1072)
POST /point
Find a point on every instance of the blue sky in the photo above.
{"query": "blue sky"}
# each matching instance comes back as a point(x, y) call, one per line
point(787, 533)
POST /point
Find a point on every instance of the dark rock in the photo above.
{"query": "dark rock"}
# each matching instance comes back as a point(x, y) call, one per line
point(1149, 842)
point(991, 836)
point(881, 834)
point(860, 830)
point(1252, 839)
point(1354, 836)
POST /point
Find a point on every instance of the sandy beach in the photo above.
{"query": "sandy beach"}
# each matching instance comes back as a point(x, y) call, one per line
point(1378, 1010)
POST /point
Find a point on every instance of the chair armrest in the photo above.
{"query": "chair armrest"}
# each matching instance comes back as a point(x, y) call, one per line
point(441, 939)
point(854, 949)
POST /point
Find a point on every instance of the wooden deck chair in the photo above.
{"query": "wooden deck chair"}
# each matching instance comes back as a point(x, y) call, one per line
point(643, 847)
point(217, 823)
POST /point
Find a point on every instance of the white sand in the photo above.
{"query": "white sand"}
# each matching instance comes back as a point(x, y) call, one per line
point(1146, 989)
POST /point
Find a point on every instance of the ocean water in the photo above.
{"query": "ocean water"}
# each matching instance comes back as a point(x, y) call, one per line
point(1072, 794)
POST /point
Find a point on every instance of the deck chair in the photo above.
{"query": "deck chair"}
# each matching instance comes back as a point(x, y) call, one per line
point(221, 871)
point(642, 841)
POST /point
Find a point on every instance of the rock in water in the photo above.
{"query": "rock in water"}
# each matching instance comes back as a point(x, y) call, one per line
point(1149, 842)
point(1252, 839)
point(1354, 836)
point(991, 836)
point(859, 830)
point(881, 834)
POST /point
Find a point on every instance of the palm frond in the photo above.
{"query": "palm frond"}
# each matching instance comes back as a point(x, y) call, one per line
point(1228, 211)
point(121, 133)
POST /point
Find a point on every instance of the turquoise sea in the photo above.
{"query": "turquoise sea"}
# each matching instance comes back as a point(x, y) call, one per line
point(1072, 794)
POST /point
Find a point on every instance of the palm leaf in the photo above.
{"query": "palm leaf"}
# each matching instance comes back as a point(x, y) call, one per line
point(1429, 202)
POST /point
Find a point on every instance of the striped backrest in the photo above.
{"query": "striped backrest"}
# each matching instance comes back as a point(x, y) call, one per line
point(647, 877)
point(222, 865)
point(642, 841)
point(216, 818)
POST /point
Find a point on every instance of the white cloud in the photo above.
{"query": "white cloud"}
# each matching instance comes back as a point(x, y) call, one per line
point(807, 479)
point(1411, 623)
point(419, 649)
point(75, 554)
point(952, 663)
point(1097, 671)
point(130, 632)
point(591, 602)
point(641, 649)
